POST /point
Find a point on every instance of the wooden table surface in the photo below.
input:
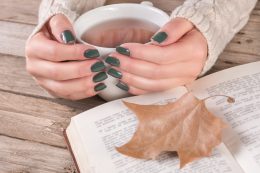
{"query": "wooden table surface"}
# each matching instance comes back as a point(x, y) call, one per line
point(32, 122)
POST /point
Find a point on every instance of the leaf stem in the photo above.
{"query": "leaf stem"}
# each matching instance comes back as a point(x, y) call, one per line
point(229, 99)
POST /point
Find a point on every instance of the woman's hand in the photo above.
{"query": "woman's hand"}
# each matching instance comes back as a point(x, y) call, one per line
point(175, 57)
point(63, 68)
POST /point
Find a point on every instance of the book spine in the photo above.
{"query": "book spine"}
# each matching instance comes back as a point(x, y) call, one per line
point(70, 150)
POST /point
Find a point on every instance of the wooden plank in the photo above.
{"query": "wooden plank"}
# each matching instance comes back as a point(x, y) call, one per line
point(16, 79)
point(25, 11)
point(38, 119)
point(247, 41)
point(13, 37)
point(20, 156)
point(231, 59)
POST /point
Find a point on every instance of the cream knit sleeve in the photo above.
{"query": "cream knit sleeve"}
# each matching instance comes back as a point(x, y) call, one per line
point(218, 20)
point(70, 8)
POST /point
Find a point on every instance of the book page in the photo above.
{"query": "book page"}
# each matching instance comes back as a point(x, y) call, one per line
point(113, 125)
point(243, 136)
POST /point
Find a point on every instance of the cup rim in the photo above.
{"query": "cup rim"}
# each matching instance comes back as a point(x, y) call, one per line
point(93, 12)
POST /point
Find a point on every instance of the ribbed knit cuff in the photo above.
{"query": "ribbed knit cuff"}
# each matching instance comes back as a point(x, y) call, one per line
point(205, 26)
point(55, 9)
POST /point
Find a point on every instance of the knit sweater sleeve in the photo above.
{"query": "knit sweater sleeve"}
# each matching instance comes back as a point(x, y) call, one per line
point(70, 8)
point(218, 21)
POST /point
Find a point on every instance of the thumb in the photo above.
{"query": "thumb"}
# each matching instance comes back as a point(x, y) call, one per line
point(61, 29)
point(172, 32)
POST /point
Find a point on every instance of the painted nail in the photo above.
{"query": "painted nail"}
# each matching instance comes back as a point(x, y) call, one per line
point(113, 72)
point(122, 86)
point(100, 77)
point(113, 61)
point(100, 87)
point(98, 66)
point(160, 37)
point(67, 37)
point(91, 53)
point(123, 51)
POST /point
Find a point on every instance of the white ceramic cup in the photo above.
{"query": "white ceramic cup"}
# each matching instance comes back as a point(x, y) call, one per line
point(144, 11)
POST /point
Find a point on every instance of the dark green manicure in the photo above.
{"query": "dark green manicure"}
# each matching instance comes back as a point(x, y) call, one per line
point(67, 37)
point(122, 86)
point(113, 61)
point(160, 37)
point(113, 72)
point(98, 66)
point(91, 53)
point(123, 51)
point(100, 77)
point(100, 87)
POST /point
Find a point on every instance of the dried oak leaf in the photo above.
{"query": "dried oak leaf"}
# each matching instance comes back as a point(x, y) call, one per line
point(185, 126)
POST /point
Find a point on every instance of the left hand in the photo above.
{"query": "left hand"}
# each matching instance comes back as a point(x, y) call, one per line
point(175, 57)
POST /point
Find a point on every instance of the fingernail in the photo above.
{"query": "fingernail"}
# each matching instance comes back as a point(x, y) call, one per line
point(122, 86)
point(100, 87)
point(91, 53)
point(160, 37)
point(123, 51)
point(67, 37)
point(98, 66)
point(100, 77)
point(113, 72)
point(113, 61)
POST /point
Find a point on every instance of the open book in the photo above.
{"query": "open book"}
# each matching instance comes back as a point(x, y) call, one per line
point(94, 134)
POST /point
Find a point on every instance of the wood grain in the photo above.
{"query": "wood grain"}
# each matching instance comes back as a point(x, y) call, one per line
point(16, 78)
point(21, 11)
point(14, 36)
point(21, 156)
point(38, 119)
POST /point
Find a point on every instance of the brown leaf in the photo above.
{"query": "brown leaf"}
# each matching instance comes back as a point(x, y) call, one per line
point(185, 126)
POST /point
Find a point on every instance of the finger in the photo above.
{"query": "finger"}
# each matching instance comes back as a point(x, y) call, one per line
point(154, 71)
point(130, 89)
point(172, 32)
point(64, 70)
point(190, 47)
point(42, 47)
point(61, 29)
point(148, 84)
point(65, 89)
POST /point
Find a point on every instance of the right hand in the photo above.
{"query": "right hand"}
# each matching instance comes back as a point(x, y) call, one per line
point(65, 69)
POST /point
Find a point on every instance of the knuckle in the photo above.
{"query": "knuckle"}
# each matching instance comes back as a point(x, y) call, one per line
point(42, 83)
point(199, 53)
point(53, 51)
point(157, 72)
point(30, 68)
point(28, 50)
point(54, 73)
point(58, 89)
